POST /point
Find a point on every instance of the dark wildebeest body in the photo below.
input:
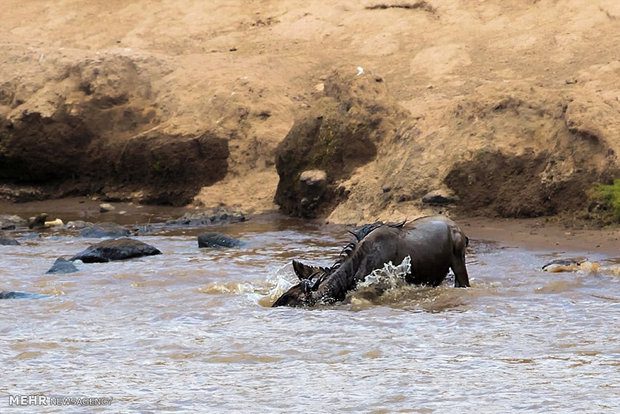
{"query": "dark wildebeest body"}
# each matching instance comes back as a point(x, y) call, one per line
point(434, 244)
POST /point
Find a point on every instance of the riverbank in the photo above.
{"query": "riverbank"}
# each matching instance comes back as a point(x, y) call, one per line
point(504, 109)
point(533, 234)
point(544, 234)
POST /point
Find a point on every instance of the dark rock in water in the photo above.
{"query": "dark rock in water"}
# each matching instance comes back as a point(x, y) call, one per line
point(62, 265)
point(118, 249)
point(7, 241)
point(103, 230)
point(217, 240)
point(37, 222)
point(10, 222)
point(7, 294)
point(204, 218)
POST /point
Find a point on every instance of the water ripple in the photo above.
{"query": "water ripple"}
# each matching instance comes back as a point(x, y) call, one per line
point(191, 331)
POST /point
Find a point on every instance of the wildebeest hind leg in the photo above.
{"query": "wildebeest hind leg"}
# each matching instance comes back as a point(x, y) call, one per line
point(461, 278)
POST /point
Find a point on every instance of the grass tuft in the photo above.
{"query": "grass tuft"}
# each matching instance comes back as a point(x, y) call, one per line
point(609, 197)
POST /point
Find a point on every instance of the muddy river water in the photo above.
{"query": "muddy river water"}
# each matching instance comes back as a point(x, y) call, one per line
point(191, 330)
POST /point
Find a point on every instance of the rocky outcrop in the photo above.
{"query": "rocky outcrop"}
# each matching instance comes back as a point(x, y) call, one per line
point(518, 152)
point(165, 169)
point(340, 132)
point(533, 154)
point(91, 127)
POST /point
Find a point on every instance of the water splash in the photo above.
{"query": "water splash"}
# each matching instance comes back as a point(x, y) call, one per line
point(278, 282)
point(282, 280)
point(578, 264)
point(388, 286)
point(389, 277)
point(231, 288)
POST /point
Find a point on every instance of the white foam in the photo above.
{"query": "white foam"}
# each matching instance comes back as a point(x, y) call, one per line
point(387, 278)
point(280, 281)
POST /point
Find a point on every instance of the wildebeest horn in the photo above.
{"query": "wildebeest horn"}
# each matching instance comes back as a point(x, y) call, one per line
point(306, 272)
point(317, 282)
point(301, 270)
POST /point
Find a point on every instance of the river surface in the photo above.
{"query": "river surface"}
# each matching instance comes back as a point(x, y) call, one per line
point(191, 330)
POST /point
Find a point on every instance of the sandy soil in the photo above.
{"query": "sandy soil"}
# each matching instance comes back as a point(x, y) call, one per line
point(526, 91)
point(540, 234)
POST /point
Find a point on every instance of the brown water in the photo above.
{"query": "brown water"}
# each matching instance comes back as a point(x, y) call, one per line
point(191, 331)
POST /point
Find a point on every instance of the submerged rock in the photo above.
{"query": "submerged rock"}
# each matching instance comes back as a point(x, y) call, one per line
point(11, 222)
point(219, 215)
point(103, 230)
point(118, 249)
point(8, 241)
point(7, 294)
point(62, 266)
point(217, 240)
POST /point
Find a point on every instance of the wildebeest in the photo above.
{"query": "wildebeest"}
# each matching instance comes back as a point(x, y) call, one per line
point(435, 245)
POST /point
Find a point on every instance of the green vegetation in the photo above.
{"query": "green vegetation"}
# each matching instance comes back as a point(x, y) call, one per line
point(609, 197)
point(157, 167)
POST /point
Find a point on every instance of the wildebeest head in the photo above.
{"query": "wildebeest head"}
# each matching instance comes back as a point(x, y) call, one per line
point(314, 282)
point(310, 278)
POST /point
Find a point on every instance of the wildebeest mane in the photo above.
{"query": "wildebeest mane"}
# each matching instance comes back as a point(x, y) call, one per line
point(359, 233)
point(315, 275)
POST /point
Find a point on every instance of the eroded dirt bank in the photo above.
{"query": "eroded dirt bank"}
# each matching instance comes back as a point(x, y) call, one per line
point(497, 108)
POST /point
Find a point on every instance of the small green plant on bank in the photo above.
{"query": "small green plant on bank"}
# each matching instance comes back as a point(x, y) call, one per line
point(609, 198)
point(157, 167)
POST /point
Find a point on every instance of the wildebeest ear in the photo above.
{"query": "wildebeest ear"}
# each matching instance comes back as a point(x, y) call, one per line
point(303, 271)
